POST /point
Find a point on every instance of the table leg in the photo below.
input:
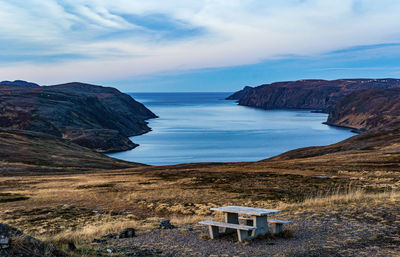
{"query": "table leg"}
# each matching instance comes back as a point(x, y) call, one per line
point(232, 218)
point(277, 228)
point(214, 233)
point(261, 224)
point(242, 235)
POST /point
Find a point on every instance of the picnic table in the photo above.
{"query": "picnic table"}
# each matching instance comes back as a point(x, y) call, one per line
point(256, 222)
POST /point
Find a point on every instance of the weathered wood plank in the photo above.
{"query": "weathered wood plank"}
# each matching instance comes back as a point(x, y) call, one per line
point(280, 221)
point(246, 210)
point(227, 225)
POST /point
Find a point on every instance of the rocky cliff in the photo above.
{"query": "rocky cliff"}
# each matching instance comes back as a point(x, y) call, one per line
point(100, 118)
point(367, 109)
point(239, 94)
point(306, 94)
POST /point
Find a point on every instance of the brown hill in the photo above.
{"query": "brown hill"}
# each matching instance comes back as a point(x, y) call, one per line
point(306, 94)
point(100, 118)
point(26, 152)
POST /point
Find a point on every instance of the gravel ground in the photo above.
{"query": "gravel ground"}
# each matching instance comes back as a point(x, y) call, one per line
point(312, 237)
point(358, 229)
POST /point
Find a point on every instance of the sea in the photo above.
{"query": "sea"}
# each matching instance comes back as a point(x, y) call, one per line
point(204, 127)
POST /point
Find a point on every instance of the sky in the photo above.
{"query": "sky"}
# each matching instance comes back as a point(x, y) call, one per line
point(197, 45)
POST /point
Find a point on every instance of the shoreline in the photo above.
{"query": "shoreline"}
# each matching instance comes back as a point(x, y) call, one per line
point(240, 160)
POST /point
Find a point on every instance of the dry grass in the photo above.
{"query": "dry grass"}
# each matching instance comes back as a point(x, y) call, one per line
point(86, 234)
point(109, 224)
point(329, 199)
point(60, 209)
point(17, 241)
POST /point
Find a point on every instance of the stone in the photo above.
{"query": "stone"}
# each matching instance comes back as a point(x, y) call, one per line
point(166, 224)
point(96, 240)
point(71, 246)
point(4, 242)
point(127, 233)
point(110, 235)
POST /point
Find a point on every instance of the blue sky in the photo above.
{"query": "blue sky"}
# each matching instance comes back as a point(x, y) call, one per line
point(203, 45)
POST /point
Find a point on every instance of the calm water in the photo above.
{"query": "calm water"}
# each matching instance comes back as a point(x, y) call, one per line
point(203, 127)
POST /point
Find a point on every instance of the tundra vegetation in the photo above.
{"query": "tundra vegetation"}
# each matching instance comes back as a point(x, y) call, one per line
point(81, 207)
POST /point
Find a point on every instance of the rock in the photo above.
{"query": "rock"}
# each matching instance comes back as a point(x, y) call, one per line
point(71, 246)
point(109, 250)
point(127, 233)
point(26, 246)
point(97, 240)
point(111, 236)
point(97, 213)
point(166, 224)
point(4, 242)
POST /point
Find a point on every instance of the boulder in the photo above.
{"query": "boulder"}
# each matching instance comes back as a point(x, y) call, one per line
point(166, 224)
point(127, 233)
point(4, 242)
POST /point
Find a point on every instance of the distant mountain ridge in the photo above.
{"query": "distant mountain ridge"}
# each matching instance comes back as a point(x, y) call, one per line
point(21, 83)
point(306, 94)
point(96, 117)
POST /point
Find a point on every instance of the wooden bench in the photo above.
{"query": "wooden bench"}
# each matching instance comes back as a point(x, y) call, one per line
point(242, 230)
point(276, 229)
point(278, 225)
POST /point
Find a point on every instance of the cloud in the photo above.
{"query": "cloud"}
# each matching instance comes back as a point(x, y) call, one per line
point(104, 40)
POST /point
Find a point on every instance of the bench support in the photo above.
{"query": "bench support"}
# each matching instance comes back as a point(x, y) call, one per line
point(277, 228)
point(243, 235)
point(247, 220)
point(214, 226)
point(214, 232)
point(232, 218)
point(277, 225)
point(261, 223)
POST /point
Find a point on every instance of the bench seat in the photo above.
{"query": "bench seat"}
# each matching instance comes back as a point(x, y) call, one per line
point(280, 221)
point(227, 225)
point(278, 225)
point(242, 230)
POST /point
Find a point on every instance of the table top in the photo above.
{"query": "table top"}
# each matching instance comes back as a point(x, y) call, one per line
point(246, 210)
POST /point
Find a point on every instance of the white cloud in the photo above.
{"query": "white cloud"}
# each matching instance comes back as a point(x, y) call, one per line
point(237, 32)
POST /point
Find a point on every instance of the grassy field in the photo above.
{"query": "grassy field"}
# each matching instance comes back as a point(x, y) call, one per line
point(80, 207)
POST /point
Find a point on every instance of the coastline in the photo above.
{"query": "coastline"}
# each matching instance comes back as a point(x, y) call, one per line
point(299, 119)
